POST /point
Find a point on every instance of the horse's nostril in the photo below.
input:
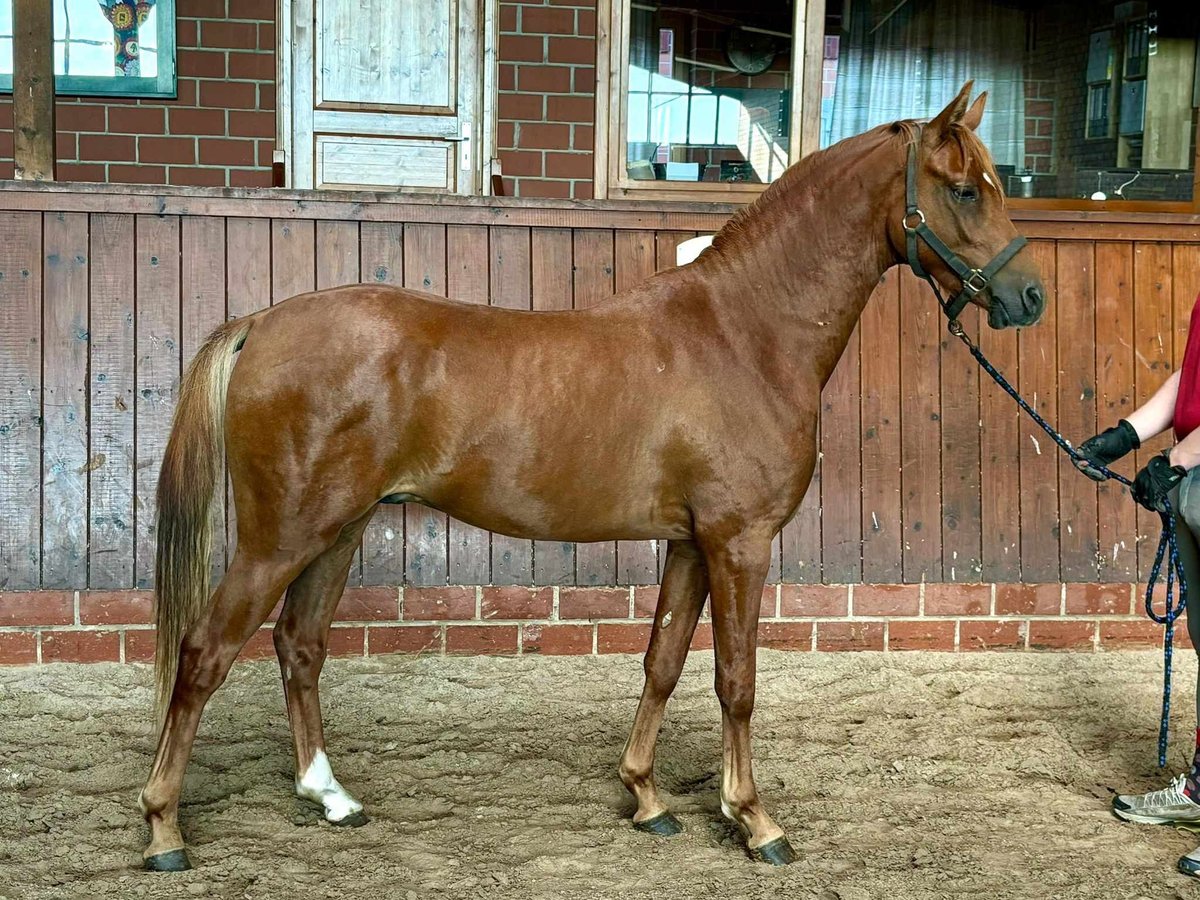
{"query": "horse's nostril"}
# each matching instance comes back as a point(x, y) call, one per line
point(1032, 298)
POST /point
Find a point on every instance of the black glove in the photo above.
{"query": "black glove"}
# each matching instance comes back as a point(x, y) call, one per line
point(1106, 448)
point(1155, 481)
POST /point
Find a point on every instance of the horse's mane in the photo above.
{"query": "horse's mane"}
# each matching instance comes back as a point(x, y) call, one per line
point(906, 130)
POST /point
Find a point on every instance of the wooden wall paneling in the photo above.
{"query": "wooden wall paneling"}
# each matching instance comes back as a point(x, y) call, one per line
point(962, 536)
point(65, 457)
point(510, 286)
point(841, 470)
point(1000, 460)
point(470, 554)
point(158, 334)
point(111, 402)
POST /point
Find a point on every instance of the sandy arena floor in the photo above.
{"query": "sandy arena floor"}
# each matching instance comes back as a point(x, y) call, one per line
point(901, 776)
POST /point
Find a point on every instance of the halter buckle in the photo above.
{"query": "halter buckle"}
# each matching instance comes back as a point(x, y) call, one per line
point(908, 217)
point(975, 282)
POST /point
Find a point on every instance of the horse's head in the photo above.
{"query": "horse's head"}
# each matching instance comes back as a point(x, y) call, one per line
point(959, 204)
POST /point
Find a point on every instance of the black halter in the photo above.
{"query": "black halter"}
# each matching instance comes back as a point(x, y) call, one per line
point(974, 281)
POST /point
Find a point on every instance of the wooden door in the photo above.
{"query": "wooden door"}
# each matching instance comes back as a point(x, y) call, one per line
point(386, 94)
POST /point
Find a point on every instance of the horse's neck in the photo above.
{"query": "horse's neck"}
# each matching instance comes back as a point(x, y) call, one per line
point(801, 271)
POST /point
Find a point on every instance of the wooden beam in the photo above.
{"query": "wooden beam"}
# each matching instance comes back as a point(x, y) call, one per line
point(33, 90)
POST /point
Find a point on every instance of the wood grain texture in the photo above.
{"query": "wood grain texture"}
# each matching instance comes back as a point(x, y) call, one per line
point(1000, 461)
point(33, 90)
point(962, 537)
point(841, 468)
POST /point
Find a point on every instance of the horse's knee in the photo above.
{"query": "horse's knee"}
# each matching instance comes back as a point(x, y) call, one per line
point(202, 667)
point(736, 695)
point(300, 655)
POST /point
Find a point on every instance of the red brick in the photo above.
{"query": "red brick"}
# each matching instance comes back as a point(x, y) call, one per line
point(645, 601)
point(65, 145)
point(957, 599)
point(593, 603)
point(136, 120)
point(581, 190)
point(266, 156)
point(702, 637)
point(572, 50)
point(187, 32)
point(81, 646)
point(266, 96)
point(920, 635)
point(37, 608)
point(137, 174)
point(107, 147)
point(227, 34)
point(193, 175)
point(404, 639)
point(258, 66)
point(767, 604)
point(263, 10)
point(587, 23)
point(116, 607)
point(517, 162)
point(220, 152)
point(17, 648)
point(1060, 635)
point(178, 150)
point(489, 639)
point(79, 117)
point(582, 137)
point(432, 603)
point(991, 635)
point(556, 639)
point(533, 187)
point(887, 599)
point(527, 107)
point(266, 36)
point(1098, 599)
point(139, 645)
point(583, 80)
point(202, 63)
point(368, 604)
point(508, 17)
point(1027, 599)
point(260, 646)
point(568, 165)
point(785, 635)
point(507, 80)
point(813, 600)
point(522, 48)
point(849, 635)
point(229, 94)
point(1135, 633)
point(345, 641)
point(631, 637)
point(543, 79)
point(570, 109)
point(516, 602)
point(546, 20)
point(197, 121)
point(250, 178)
point(251, 124)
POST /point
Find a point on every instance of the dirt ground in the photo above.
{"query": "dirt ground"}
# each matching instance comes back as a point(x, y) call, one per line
point(899, 776)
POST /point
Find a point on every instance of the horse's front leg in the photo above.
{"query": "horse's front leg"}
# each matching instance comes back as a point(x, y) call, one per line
point(684, 587)
point(737, 568)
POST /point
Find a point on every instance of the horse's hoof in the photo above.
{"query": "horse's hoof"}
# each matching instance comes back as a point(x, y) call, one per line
point(354, 820)
point(664, 825)
point(171, 861)
point(776, 853)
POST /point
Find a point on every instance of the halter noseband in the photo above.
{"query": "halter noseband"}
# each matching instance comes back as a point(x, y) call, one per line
point(974, 281)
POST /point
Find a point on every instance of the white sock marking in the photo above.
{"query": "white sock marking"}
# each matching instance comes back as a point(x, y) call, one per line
point(319, 785)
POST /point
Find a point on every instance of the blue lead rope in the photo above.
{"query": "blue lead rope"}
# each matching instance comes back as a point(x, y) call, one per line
point(1167, 543)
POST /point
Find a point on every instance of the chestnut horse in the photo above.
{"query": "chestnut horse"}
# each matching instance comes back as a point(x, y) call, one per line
point(624, 421)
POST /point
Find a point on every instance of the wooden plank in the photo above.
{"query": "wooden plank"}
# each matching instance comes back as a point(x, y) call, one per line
point(880, 417)
point(633, 263)
point(841, 462)
point(1078, 526)
point(1038, 383)
point(920, 430)
point(248, 289)
point(33, 90)
point(962, 539)
point(595, 563)
point(1153, 346)
point(65, 458)
point(510, 285)
point(111, 403)
point(382, 262)
point(552, 287)
point(1000, 461)
point(203, 310)
point(21, 396)
point(156, 265)
point(427, 531)
point(293, 260)
point(1116, 511)
point(467, 280)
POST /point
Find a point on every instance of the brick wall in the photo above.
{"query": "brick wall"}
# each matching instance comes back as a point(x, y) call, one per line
point(112, 626)
point(220, 131)
point(546, 111)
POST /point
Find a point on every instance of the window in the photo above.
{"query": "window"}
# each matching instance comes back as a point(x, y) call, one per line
point(104, 47)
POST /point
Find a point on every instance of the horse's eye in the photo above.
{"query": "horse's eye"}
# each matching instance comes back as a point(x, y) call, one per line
point(965, 193)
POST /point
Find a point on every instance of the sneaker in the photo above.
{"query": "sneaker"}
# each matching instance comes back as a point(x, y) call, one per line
point(1166, 807)
point(1190, 863)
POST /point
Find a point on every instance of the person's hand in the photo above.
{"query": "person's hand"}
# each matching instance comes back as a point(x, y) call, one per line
point(1106, 448)
point(1155, 481)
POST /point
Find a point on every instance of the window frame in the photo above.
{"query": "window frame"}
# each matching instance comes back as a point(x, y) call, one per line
point(164, 84)
point(611, 181)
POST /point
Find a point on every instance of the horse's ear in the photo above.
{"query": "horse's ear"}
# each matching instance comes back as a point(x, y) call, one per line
point(953, 113)
point(974, 115)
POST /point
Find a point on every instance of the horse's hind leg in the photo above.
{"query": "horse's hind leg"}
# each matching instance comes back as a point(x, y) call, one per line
point(239, 606)
point(684, 587)
point(301, 641)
